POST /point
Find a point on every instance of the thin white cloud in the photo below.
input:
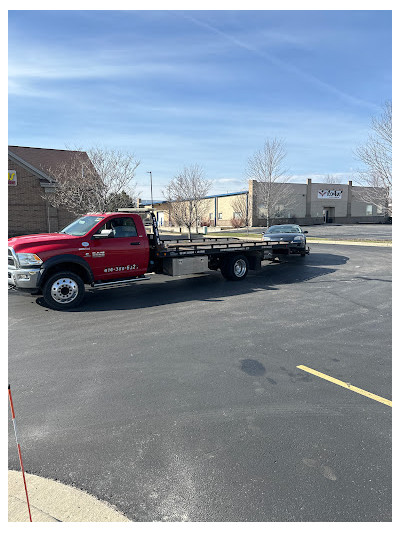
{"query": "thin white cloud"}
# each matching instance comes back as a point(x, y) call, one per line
point(58, 68)
point(16, 88)
point(32, 62)
point(284, 65)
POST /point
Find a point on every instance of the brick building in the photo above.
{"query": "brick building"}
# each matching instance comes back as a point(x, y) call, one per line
point(30, 184)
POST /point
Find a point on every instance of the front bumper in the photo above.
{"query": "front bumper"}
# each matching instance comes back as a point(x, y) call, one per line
point(24, 278)
point(288, 248)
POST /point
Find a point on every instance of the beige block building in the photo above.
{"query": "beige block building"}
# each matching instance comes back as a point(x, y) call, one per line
point(316, 203)
point(215, 211)
point(302, 203)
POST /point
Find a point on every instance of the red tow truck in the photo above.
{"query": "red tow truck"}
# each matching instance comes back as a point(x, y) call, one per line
point(114, 249)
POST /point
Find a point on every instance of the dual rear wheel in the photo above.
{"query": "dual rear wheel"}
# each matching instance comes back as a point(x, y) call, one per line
point(235, 267)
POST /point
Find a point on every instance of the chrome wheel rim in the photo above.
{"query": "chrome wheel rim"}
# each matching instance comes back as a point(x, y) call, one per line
point(64, 290)
point(240, 268)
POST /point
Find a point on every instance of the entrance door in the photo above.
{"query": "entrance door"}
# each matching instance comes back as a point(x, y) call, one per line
point(328, 214)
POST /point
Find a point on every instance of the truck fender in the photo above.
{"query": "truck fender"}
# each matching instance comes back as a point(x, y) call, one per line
point(66, 259)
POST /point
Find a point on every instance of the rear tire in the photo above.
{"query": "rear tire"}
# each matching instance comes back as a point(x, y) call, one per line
point(235, 268)
point(63, 291)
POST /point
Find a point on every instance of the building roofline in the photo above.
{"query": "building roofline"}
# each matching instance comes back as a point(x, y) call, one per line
point(226, 194)
point(203, 197)
point(47, 149)
point(30, 167)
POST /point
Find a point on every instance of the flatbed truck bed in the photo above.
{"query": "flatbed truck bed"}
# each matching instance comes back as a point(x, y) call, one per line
point(207, 246)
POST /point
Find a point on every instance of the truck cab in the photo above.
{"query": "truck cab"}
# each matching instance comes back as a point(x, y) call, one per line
point(95, 248)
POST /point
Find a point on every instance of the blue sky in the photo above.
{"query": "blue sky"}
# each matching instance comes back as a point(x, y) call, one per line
point(205, 87)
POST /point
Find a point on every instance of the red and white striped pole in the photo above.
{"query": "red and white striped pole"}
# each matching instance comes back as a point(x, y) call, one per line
point(19, 450)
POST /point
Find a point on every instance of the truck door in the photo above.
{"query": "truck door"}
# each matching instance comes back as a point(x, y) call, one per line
point(118, 251)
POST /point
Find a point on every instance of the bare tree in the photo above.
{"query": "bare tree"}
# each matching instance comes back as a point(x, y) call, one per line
point(329, 179)
point(241, 208)
point(185, 194)
point(376, 157)
point(266, 167)
point(92, 184)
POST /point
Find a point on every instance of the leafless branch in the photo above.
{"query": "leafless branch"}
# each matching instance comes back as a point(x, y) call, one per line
point(240, 206)
point(376, 157)
point(329, 179)
point(266, 167)
point(89, 184)
point(185, 194)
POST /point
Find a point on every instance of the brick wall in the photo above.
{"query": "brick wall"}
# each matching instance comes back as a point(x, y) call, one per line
point(28, 212)
point(26, 208)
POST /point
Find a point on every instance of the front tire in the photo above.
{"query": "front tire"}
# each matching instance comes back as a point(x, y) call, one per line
point(235, 268)
point(304, 252)
point(63, 291)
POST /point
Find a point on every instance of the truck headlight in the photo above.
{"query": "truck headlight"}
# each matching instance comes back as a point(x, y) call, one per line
point(299, 238)
point(29, 260)
point(267, 238)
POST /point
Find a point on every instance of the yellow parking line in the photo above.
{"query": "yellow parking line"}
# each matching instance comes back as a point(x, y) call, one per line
point(346, 385)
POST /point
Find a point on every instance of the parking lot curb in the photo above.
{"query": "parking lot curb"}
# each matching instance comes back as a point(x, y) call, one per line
point(52, 501)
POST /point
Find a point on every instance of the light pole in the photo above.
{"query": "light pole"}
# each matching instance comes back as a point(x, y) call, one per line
point(151, 187)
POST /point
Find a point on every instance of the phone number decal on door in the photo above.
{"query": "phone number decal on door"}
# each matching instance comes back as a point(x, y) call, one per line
point(121, 268)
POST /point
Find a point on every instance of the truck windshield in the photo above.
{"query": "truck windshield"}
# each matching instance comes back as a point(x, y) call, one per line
point(81, 226)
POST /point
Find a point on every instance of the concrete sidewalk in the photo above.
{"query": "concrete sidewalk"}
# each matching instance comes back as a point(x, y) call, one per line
point(51, 501)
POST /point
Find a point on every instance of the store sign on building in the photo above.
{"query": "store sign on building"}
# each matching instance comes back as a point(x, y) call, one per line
point(12, 177)
point(329, 194)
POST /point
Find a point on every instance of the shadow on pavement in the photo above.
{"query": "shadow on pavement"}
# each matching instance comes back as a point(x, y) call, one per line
point(211, 287)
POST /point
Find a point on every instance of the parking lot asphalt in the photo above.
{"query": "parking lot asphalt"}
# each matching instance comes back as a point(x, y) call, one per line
point(181, 399)
point(351, 231)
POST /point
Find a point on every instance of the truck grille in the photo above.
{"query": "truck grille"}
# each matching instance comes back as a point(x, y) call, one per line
point(12, 260)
